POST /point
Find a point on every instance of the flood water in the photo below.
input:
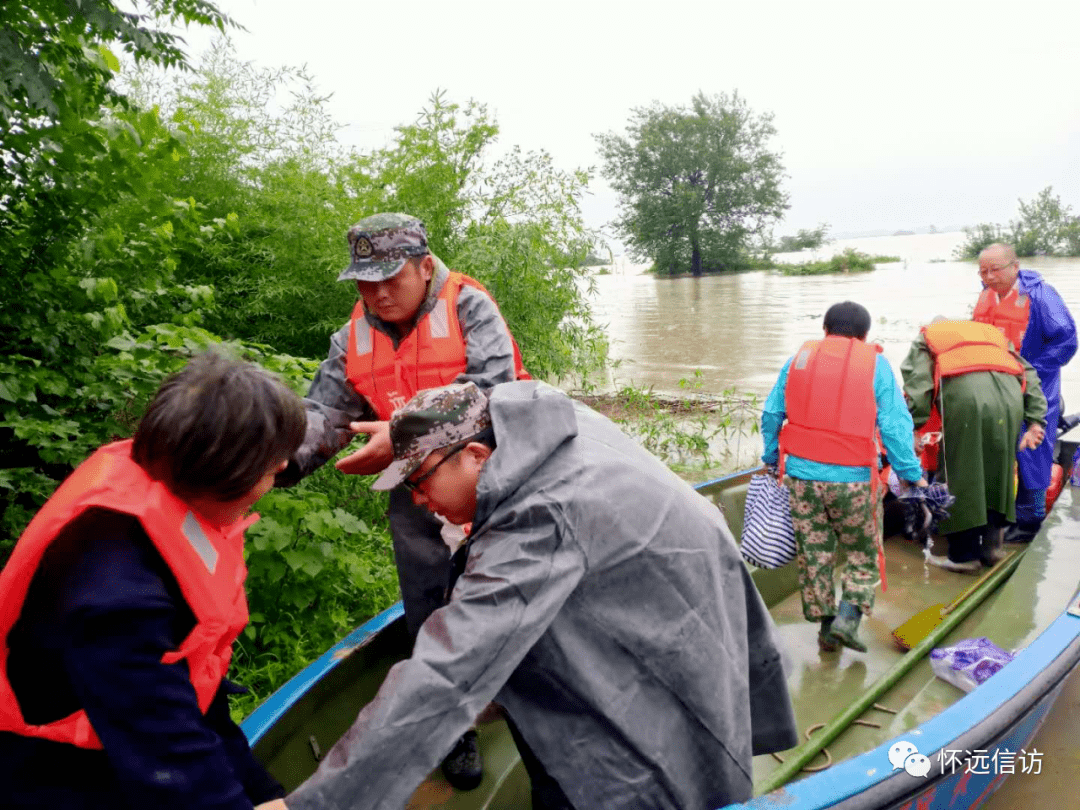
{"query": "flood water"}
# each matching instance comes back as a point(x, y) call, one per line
point(737, 331)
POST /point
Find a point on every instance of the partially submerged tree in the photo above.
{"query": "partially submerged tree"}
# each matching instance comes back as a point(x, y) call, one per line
point(694, 183)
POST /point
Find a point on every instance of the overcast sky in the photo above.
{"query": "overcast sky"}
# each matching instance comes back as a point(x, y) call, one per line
point(888, 115)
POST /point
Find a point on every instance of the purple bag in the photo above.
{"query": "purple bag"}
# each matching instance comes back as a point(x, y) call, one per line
point(968, 663)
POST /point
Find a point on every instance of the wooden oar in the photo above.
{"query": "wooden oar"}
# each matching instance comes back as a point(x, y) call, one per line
point(919, 626)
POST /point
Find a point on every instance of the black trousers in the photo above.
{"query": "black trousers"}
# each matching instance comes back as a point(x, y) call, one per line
point(546, 793)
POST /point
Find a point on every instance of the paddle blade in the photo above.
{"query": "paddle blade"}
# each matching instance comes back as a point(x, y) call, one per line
point(918, 626)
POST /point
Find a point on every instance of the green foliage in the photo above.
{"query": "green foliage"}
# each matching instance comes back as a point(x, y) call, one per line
point(695, 183)
point(139, 231)
point(319, 563)
point(261, 154)
point(850, 261)
point(1046, 227)
point(691, 434)
point(804, 239)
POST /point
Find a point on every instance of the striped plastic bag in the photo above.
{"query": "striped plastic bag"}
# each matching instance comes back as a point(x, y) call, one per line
point(768, 539)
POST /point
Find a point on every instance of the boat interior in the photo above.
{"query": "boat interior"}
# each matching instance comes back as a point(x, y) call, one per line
point(822, 685)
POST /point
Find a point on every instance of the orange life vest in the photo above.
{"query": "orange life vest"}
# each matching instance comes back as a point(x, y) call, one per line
point(832, 412)
point(207, 561)
point(962, 347)
point(431, 355)
point(829, 403)
point(1009, 313)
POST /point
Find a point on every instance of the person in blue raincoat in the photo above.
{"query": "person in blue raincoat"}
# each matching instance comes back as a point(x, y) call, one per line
point(1032, 315)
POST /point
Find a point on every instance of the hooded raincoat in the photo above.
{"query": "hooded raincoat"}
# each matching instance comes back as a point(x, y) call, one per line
point(1049, 343)
point(605, 606)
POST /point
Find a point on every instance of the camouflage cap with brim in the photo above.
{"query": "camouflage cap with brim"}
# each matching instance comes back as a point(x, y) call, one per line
point(381, 244)
point(430, 421)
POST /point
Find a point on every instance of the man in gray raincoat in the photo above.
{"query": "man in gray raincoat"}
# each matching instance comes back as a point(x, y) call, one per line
point(603, 604)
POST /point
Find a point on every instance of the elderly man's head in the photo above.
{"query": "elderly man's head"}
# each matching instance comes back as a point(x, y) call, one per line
point(998, 267)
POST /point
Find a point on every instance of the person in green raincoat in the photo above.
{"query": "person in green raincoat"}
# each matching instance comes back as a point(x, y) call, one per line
point(985, 390)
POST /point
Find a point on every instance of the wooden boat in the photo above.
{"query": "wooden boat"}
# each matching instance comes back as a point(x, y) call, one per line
point(859, 705)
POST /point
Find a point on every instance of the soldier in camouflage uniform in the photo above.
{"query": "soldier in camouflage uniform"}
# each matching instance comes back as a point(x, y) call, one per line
point(418, 325)
point(836, 512)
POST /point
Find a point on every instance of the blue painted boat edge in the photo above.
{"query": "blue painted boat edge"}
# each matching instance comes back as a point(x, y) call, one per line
point(275, 706)
point(861, 773)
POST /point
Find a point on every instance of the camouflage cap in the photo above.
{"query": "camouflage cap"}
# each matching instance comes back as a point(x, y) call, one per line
point(381, 244)
point(430, 421)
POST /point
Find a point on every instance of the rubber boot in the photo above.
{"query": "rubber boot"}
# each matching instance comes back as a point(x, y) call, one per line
point(846, 626)
point(825, 641)
point(992, 551)
point(463, 767)
point(1022, 532)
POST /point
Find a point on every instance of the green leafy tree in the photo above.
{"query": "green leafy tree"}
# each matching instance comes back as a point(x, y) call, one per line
point(1039, 230)
point(804, 239)
point(695, 183)
point(1046, 227)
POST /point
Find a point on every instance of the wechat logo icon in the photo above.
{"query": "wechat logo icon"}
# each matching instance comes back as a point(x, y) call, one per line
point(905, 755)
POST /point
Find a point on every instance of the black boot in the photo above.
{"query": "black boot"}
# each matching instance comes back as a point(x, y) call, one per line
point(991, 551)
point(463, 767)
point(1022, 532)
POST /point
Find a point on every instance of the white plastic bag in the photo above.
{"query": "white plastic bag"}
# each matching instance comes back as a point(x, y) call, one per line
point(968, 663)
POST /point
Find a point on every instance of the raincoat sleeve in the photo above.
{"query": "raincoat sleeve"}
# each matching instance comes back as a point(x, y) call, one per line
point(894, 422)
point(1034, 400)
point(489, 353)
point(516, 581)
point(331, 403)
point(772, 417)
point(1055, 331)
point(917, 371)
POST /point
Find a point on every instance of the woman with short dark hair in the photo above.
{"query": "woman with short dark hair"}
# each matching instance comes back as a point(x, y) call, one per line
point(123, 597)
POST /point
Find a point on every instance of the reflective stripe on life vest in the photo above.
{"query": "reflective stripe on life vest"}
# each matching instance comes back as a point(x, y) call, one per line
point(207, 561)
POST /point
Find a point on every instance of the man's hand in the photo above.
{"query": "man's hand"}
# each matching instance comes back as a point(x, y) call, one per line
point(273, 804)
point(1032, 437)
point(373, 457)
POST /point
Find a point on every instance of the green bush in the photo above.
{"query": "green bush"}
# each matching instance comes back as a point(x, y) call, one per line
point(850, 261)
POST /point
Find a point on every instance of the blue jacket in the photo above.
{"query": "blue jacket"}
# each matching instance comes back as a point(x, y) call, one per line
point(1049, 343)
point(893, 420)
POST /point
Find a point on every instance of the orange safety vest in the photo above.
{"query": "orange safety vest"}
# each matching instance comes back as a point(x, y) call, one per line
point(1009, 314)
point(962, 347)
point(431, 355)
point(207, 561)
point(829, 403)
point(832, 412)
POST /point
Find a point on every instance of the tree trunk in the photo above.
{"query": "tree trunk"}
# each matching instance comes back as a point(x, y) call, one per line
point(695, 260)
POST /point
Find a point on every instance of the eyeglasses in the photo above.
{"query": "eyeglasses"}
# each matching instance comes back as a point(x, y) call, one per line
point(999, 269)
point(414, 486)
